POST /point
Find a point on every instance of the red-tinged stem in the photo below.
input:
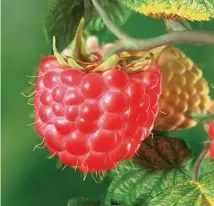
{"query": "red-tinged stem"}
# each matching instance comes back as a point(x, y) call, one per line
point(199, 161)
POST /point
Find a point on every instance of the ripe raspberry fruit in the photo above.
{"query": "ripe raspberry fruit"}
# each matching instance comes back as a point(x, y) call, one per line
point(91, 120)
point(212, 150)
point(211, 130)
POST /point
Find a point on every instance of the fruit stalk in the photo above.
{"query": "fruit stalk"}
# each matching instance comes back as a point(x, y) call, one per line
point(199, 161)
point(130, 43)
point(202, 37)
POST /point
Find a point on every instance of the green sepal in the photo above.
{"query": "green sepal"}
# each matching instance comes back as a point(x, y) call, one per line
point(78, 45)
point(72, 63)
point(58, 56)
point(108, 63)
point(64, 61)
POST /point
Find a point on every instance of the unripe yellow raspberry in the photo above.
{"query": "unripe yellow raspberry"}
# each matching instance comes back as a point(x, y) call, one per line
point(184, 90)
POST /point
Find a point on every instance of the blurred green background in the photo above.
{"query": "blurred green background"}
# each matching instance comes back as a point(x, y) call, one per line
point(29, 178)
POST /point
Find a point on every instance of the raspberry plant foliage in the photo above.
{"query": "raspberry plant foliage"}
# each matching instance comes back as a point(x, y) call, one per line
point(193, 10)
point(160, 171)
point(159, 187)
point(63, 16)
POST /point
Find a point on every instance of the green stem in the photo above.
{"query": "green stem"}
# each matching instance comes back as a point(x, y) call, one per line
point(108, 22)
point(202, 37)
point(129, 43)
point(199, 161)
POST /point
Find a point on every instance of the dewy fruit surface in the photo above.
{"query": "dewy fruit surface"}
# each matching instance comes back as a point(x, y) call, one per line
point(184, 90)
point(94, 120)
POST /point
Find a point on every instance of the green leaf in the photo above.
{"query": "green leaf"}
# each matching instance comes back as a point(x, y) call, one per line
point(62, 20)
point(117, 12)
point(82, 202)
point(138, 185)
point(193, 10)
point(202, 118)
point(162, 152)
point(188, 193)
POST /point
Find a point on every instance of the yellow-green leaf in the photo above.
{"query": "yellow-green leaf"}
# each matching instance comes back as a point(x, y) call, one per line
point(188, 193)
point(193, 10)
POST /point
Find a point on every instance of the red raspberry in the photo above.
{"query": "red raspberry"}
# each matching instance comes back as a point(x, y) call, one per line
point(94, 120)
point(212, 149)
point(211, 130)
